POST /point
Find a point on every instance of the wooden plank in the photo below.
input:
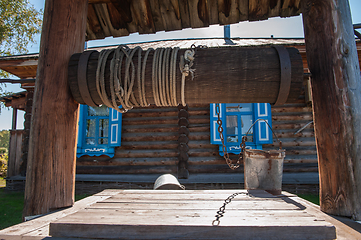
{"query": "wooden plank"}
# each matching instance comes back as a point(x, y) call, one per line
point(131, 161)
point(345, 227)
point(141, 13)
point(212, 11)
point(156, 15)
point(198, 13)
point(294, 125)
point(243, 205)
point(128, 169)
point(177, 198)
point(293, 143)
point(106, 21)
point(120, 16)
point(184, 13)
point(228, 12)
point(12, 154)
point(274, 8)
point(146, 137)
point(258, 10)
point(193, 218)
point(160, 128)
point(243, 9)
point(324, 231)
point(173, 215)
point(333, 63)
point(300, 117)
point(19, 152)
point(52, 145)
point(94, 29)
point(170, 13)
point(286, 109)
point(290, 8)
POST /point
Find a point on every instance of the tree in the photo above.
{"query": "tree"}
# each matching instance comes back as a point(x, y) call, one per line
point(4, 139)
point(19, 23)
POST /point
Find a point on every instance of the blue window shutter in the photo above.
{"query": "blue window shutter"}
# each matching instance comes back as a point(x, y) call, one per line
point(215, 138)
point(81, 131)
point(263, 134)
point(115, 127)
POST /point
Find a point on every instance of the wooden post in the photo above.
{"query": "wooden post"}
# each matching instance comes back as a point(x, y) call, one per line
point(336, 92)
point(15, 118)
point(51, 160)
point(27, 126)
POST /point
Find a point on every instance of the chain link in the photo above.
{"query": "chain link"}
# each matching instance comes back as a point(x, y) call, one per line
point(224, 148)
point(221, 211)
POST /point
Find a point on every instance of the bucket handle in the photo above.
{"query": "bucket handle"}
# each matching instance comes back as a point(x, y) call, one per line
point(244, 138)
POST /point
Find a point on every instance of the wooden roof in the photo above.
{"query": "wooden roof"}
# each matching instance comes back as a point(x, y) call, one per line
point(15, 100)
point(120, 18)
point(25, 66)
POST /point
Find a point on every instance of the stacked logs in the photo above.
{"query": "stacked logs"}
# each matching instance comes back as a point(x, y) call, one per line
point(183, 140)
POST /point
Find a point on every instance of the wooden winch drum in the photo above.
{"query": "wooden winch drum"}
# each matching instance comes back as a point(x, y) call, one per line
point(226, 74)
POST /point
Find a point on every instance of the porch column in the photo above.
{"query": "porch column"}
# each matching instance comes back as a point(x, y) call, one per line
point(52, 146)
point(336, 92)
point(15, 118)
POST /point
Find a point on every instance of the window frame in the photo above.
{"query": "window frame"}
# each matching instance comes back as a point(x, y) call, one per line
point(114, 122)
point(258, 111)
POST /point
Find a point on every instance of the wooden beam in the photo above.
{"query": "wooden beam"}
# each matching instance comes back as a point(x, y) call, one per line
point(51, 160)
point(336, 93)
point(15, 116)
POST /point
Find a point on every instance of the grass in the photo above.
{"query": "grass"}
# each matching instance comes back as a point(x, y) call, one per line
point(11, 206)
point(311, 198)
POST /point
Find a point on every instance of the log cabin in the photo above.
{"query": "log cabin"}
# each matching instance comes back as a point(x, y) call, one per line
point(331, 56)
point(151, 141)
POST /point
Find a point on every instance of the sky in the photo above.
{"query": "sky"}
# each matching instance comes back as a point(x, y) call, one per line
point(278, 27)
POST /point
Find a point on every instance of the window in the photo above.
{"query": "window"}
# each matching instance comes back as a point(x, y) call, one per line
point(237, 119)
point(99, 131)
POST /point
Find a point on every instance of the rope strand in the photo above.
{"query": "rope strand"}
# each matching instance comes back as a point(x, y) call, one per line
point(164, 84)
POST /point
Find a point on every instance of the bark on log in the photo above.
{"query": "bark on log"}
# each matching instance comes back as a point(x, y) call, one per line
point(336, 93)
point(227, 75)
point(52, 146)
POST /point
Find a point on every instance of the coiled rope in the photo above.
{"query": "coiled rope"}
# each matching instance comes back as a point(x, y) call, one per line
point(163, 77)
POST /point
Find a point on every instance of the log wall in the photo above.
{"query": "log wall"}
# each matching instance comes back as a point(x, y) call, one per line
point(150, 142)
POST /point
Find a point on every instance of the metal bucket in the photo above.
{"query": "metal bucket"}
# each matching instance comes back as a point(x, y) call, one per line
point(263, 169)
point(167, 182)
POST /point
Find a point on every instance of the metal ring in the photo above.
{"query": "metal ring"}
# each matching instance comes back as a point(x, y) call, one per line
point(82, 80)
point(285, 84)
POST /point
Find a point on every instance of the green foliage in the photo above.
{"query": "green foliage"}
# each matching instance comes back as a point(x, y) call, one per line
point(3, 92)
point(2, 182)
point(3, 163)
point(19, 22)
point(4, 139)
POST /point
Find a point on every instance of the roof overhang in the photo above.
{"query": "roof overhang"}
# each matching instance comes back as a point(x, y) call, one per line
point(120, 18)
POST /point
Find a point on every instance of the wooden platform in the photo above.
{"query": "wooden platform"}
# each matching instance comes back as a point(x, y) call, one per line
point(170, 214)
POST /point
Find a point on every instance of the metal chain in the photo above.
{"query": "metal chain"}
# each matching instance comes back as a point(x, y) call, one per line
point(224, 148)
point(221, 211)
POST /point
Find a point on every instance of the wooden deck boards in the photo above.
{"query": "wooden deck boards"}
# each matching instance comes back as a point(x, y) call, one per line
point(164, 214)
